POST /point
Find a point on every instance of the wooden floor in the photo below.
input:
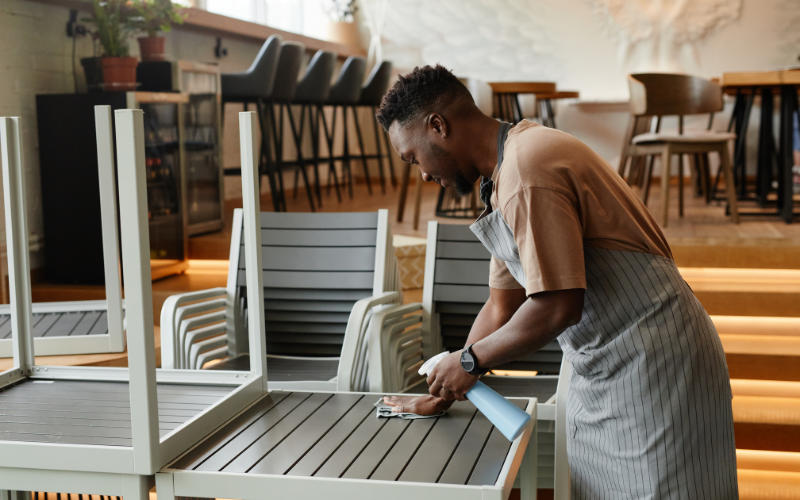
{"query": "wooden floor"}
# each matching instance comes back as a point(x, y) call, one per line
point(703, 237)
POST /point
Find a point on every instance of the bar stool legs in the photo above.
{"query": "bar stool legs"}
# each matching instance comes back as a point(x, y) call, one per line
point(301, 165)
point(331, 160)
point(361, 148)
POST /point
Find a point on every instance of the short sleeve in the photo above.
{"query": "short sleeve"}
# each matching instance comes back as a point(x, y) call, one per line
point(548, 232)
point(500, 277)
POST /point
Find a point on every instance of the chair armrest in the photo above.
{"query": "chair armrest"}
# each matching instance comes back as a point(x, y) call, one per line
point(174, 310)
point(391, 348)
point(354, 352)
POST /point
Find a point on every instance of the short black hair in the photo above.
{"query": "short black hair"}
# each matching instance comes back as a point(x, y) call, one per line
point(419, 91)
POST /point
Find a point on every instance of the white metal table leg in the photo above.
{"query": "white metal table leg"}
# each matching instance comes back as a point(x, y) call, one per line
point(529, 469)
point(136, 488)
point(165, 488)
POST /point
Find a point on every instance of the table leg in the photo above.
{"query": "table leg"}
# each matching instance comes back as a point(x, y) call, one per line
point(765, 147)
point(401, 204)
point(785, 160)
point(518, 114)
point(417, 201)
point(739, 158)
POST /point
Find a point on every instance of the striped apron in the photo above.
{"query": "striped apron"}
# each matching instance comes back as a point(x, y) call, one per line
point(649, 405)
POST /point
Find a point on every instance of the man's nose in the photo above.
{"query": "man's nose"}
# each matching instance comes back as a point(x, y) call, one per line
point(426, 177)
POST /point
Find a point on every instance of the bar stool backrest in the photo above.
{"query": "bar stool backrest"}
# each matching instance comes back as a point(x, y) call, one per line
point(259, 79)
point(316, 83)
point(288, 70)
point(377, 83)
point(661, 94)
point(347, 89)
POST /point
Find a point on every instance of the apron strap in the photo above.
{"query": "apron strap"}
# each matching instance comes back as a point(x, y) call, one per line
point(486, 182)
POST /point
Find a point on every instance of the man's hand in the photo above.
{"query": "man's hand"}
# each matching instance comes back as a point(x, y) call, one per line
point(421, 405)
point(449, 381)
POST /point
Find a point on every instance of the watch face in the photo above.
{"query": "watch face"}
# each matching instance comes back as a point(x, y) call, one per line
point(467, 361)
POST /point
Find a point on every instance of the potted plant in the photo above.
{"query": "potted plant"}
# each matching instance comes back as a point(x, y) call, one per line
point(112, 32)
point(152, 16)
point(342, 29)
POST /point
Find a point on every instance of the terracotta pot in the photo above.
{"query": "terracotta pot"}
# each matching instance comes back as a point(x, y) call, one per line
point(119, 73)
point(151, 48)
point(344, 33)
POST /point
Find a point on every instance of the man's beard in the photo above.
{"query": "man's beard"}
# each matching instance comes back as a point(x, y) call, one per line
point(462, 186)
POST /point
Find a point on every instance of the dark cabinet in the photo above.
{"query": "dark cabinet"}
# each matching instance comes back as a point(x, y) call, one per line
point(70, 189)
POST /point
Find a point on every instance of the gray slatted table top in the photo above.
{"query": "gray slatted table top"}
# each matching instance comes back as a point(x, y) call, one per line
point(61, 324)
point(285, 369)
point(511, 387)
point(339, 435)
point(92, 412)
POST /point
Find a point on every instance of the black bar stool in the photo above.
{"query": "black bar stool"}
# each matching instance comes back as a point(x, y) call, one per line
point(344, 94)
point(311, 91)
point(371, 94)
point(255, 86)
point(283, 92)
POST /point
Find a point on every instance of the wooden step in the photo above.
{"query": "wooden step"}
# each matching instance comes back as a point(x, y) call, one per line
point(766, 415)
point(767, 475)
point(746, 292)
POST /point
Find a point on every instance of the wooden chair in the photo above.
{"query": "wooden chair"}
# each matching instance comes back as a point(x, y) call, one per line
point(324, 273)
point(658, 95)
point(456, 287)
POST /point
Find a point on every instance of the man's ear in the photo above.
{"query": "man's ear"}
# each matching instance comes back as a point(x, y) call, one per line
point(437, 124)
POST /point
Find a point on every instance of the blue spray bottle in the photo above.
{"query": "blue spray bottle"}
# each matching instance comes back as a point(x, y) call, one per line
point(502, 413)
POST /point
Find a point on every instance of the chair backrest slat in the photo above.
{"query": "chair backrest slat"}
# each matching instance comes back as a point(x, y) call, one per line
point(460, 289)
point(315, 267)
point(663, 94)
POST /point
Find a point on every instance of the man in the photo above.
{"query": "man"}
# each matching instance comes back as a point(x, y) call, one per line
point(576, 256)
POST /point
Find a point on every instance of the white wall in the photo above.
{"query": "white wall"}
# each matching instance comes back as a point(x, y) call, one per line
point(591, 45)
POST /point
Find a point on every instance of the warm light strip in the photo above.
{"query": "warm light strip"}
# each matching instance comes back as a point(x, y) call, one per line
point(756, 325)
point(786, 461)
point(513, 373)
point(741, 280)
point(765, 388)
point(207, 266)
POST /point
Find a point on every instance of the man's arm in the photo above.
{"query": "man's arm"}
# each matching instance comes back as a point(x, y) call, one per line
point(535, 324)
point(496, 312)
point(500, 308)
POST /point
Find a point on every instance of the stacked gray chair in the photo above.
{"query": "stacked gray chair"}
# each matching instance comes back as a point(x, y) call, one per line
point(255, 86)
point(345, 94)
point(283, 90)
point(323, 273)
point(312, 90)
point(455, 290)
point(372, 92)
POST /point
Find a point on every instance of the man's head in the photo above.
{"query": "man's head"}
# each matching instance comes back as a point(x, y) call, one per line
point(427, 114)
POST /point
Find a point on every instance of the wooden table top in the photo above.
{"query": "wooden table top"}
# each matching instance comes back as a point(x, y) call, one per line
point(761, 78)
point(523, 87)
point(560, 94)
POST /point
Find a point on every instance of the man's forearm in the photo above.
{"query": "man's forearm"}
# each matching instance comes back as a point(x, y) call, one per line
point(497, 311)
point(534, 325)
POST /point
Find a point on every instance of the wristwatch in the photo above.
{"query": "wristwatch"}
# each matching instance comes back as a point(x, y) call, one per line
point(470, 363)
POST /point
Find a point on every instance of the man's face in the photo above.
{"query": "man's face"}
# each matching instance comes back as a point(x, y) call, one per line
point(416, 143)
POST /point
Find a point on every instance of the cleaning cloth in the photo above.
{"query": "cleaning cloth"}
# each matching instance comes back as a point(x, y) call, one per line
point(385, 410)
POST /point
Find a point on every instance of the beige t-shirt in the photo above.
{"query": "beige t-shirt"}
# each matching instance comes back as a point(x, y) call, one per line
point(558, 195)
